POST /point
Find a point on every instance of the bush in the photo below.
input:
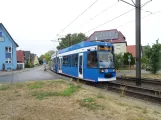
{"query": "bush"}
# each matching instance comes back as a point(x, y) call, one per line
point(143, 66)
point(27, 65)
point(31, 65)
point(126, 59)
point(155, 58)
point(119, 61)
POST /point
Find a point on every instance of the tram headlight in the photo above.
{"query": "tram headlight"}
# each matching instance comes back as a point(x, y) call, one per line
point(101, 70)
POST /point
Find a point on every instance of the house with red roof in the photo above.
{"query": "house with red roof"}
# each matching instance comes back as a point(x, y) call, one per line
point(20, 56)
point(20, 59)
point(131, 49)
point(113, 36)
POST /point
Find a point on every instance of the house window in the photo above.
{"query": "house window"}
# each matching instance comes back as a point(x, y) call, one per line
point(8, 50)
point(118, 46)
point(8, 54)
point(8, 60)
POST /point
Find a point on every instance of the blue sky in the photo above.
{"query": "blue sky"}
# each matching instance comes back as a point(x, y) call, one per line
point(34, 23)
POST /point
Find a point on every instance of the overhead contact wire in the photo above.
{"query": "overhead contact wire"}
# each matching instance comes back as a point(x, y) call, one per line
point(79, 15)
point(109, 20)
point(141, 18)
point(100, 13)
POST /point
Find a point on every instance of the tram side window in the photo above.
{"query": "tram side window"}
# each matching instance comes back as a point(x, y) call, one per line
point(57, 61)
point(72, 60)
point(53, 62)
point(69, 60)
point(92, 59)
point(76, 60)
point(65, 61)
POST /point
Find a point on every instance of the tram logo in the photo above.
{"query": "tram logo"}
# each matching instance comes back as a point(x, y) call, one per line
point(106, 70)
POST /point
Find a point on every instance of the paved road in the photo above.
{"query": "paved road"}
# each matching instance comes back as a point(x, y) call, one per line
point(34, 74)
point(38, 73)
point(126, 72)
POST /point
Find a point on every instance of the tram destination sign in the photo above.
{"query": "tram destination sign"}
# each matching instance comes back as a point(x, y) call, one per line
point(104, 48)
point(104, 35)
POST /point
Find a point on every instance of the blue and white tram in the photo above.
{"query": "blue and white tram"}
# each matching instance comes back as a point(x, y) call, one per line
point(91, 61)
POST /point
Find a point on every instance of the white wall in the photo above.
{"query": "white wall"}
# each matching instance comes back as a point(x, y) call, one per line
point(119, 48)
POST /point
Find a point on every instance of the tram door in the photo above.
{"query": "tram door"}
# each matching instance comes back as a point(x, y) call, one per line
point(60, 64)
point(80, 65)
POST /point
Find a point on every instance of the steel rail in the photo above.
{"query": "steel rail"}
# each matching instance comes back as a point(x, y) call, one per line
point(135, 91)
point(144, 80)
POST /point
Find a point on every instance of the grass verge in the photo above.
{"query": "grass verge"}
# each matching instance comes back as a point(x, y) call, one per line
point(90, 104)
point(4, 87)
point(70, 90)
point(100, 95)
point(36, 85)
point(67, 92)
point(56, 81)
point(156, 112)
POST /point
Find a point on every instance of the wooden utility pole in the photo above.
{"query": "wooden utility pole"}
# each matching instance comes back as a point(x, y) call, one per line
point(69, 42)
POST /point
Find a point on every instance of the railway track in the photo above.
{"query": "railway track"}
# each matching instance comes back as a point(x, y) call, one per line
point(146, 83)
point(143, 80)
point(141, 92)
point(135, 91)
point(144, 93)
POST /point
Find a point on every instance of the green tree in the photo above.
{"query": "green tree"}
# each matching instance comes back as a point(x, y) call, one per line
point(154, 58)
point(147, 51)
point(146, 55)
point(126, 59)
point(119, 61)
point(41, 58)
point(74, 39)
point(47, 56)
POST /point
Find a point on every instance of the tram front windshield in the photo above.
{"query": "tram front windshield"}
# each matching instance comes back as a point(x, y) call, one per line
point(105, 59)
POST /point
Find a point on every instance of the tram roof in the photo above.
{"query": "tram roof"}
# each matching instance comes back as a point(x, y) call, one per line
point(84, 44)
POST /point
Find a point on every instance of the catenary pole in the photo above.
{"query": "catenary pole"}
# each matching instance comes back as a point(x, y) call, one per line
point(138, 41)
point(137, 6)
